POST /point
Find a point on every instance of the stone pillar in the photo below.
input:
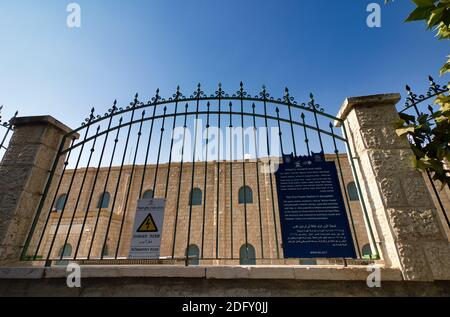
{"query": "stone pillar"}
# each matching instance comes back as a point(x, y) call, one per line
point(400, 207)
point(24, 171)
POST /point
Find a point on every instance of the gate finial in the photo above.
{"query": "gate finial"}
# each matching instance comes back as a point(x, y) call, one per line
point(241, 93)
point(91, 116)
point(263, 94)
point(220, 93)
point(287, 97)
point(198, 93)
point(157, 97)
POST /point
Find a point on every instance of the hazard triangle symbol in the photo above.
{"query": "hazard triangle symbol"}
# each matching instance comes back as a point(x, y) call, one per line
point(148, 225)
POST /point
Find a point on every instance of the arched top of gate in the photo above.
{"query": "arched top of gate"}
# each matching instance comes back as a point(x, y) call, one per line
point(199, 95)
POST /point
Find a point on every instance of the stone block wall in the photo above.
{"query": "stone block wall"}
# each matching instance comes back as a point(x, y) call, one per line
point(24, 170)
point(409, 231)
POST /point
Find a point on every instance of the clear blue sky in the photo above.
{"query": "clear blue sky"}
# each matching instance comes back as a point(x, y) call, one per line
point(125, 47)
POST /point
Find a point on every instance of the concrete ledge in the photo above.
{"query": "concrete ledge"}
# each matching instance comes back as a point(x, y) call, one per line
point(237, 281)
point(277, 272)
point(102, 271)
point(352, 102)
point(318, 273)
point(345, 274)
point(227, 272)
point(22, 273)
point(46, 120)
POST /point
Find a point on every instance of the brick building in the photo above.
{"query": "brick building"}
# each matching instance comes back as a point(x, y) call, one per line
point(222, 204)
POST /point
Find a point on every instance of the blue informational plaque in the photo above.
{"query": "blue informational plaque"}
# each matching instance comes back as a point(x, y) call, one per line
point(313, 218)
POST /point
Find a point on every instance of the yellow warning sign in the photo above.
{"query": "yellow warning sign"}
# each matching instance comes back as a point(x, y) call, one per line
point(148, 225)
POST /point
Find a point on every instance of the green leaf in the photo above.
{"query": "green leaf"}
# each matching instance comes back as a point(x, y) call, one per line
point(407, 118)
point(417, 152)
point(435, 17)
point(424, 3)
point(445, 69)
point(420, 13)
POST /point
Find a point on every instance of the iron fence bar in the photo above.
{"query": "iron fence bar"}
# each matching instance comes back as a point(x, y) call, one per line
point(264, 94)
point(306, 133)
point(179, 181)
point(363, 204)
point(350, 214)
point(205, 188)
point(287, 98)
point(9, 128)
point(413, 106)
point(242, 94)
point(219, 94)
point(177, 95)
point(67, 196)
point(95, 181)
point(231, 180)
point(210, 98)
point(159, 153)
point(117, 185)
point(436, 193)
point(314, 107)
point(79, 195)
point(125, 208)
point(280, 133)
point(42, 201)
point(234, 113)
point(191, 200)
point(258, 183)
point(430, 109)
point(148, 150)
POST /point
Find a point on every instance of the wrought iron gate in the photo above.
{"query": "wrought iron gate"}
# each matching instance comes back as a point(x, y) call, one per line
point(416, 105)
point(222, 202)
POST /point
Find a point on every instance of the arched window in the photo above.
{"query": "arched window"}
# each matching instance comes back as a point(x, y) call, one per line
point(352, 192)
point(247, 255)
point(105, 251)
point(245, 195)
point(366, 251)
point(195, 198)
point(65, 250)
point(148, 194)
point(193, 254)
point(60, 203)
point(103, 201)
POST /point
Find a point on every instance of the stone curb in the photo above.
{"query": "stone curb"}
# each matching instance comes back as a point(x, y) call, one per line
point(326, 273)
